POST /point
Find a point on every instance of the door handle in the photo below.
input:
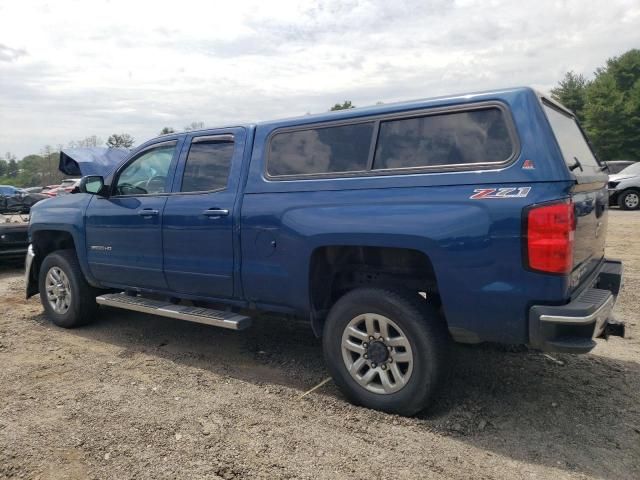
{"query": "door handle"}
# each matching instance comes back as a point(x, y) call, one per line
point(216, 212)
point(148, 212)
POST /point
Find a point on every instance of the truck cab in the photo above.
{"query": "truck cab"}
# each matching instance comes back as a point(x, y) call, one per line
point(393, 229)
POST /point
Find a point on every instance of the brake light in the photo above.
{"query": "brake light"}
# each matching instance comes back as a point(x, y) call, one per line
point(550, 236)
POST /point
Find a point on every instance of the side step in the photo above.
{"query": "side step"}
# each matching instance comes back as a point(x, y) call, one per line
point(207, 316)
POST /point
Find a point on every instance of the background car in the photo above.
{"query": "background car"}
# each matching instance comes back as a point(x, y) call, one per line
point(9, 190)
point(624, 188)
point(14, 240)
point(616, 166)
point(15, 200)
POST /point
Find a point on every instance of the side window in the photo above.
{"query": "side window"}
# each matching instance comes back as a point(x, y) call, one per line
point(343, 148)
point(147, 174)
point(207, 167)
point(477, 136)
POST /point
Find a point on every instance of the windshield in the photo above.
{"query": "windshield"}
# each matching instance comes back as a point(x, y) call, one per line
point(631, 170)
point(572, 142)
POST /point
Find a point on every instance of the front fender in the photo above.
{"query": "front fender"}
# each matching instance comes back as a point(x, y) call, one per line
point(63, 214)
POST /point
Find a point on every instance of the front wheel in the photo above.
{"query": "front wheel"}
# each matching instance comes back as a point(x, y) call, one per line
point(629, 200)
point(67, 298)
point(386, 349)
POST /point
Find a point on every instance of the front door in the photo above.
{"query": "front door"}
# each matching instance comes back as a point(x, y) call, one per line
point(124, 231)
point(198, 218)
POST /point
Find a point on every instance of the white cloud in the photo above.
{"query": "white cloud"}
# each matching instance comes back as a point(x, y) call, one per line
point(69, 69)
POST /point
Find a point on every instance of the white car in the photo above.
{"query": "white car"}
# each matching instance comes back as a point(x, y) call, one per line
point(624, 188)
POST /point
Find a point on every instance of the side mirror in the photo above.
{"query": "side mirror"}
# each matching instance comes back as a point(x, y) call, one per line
point(92, 184)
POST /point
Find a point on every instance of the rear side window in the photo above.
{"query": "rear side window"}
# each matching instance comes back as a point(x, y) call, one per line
point(207, 166)
point(572, 141)
point(343, 148)
point(457, 138)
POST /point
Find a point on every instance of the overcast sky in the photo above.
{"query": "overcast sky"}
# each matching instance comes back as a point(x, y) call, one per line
point(70, 69)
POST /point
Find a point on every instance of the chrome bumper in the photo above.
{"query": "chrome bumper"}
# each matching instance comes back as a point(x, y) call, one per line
point(572, 327)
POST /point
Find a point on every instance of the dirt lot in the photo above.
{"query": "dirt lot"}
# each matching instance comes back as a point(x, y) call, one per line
point(135, 396)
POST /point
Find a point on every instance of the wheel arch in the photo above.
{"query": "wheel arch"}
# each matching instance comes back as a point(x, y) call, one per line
point(336, 269)
point(47, 240)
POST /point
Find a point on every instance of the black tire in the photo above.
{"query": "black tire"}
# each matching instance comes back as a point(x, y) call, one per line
point(623, 198)
point(82, 305)
point(422, 326)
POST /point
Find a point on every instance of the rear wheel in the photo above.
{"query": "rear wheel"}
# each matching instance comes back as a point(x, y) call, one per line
point(629, 200)
point(386, 349)
point(67, 298)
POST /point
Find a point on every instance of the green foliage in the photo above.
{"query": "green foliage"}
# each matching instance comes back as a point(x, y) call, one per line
point(32, 170)
point(120, 140)
point(608, 106)
point(346, 105)
point(167, 130)
point(571, 92)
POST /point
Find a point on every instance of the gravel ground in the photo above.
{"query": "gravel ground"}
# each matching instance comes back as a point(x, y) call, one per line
point(136, 396)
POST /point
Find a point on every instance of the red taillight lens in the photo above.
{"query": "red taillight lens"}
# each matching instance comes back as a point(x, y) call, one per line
point(550, 230)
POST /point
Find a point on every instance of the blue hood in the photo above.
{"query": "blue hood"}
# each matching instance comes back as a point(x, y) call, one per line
point(79, 162)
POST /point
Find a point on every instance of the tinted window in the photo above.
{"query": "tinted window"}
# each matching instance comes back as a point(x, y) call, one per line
point(478, 136)
point(147, 174)
point(344, 148)
point(207, 166)
point(572, 142)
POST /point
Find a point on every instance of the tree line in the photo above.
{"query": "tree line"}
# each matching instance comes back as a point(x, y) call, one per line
point(41, 169)
point(607, 105)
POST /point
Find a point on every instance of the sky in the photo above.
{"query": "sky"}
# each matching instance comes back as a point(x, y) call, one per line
point(70, 69)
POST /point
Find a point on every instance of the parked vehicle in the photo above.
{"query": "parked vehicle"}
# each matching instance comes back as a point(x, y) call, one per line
point(69, 184)
point(616, 166)
point(14, 240)
point(393, 229)
point(10, 191)
point(624, 188)
point(15, 200)
point(33, 189)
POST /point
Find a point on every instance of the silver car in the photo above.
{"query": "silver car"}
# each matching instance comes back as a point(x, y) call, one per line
point(624, 188)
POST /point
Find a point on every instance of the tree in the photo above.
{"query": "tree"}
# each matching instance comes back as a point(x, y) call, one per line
point(608, 106)
point(122, 140)
point(346, 105)
point(12, 168)
point(92, 141)
point(194, 126)
point(571, 92)
point(3, 167)
point(612, 109)
point(167, 130)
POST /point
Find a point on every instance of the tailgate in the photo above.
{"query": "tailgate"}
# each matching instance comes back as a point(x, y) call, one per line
point(590, 207)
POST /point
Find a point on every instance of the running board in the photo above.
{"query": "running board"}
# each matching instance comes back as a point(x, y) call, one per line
point(207, 316)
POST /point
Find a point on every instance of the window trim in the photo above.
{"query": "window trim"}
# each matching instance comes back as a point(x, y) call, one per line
point(219, 138)
point(116, 176)
point(376, 120)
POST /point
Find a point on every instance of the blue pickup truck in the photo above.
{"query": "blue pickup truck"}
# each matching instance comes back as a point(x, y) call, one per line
point(393, 229)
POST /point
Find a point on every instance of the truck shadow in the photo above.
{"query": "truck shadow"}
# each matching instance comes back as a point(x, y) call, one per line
point(519, 405)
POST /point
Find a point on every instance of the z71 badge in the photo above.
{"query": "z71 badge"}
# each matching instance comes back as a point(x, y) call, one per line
point(519, 192)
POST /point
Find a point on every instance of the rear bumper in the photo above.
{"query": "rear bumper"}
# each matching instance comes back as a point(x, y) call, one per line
point(571, 328)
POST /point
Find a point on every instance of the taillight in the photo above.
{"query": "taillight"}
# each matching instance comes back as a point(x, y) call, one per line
point(550, 234)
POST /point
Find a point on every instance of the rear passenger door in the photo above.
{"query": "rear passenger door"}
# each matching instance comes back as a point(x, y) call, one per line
point(198, 220)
